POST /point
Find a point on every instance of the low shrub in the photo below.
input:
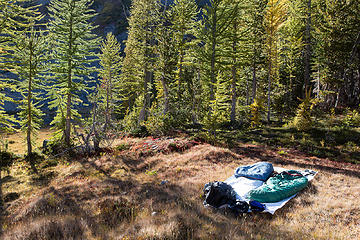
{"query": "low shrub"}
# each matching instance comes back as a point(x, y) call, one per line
point(352, 119)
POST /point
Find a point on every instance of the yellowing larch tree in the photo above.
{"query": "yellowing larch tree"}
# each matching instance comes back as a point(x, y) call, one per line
point(275, 16)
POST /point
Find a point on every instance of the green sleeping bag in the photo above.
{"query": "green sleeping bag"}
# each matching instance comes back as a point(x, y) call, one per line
point(279, 187)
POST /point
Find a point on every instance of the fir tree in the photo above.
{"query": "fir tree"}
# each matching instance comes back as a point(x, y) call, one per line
point(139, 62)
point(166, 61)
point(256, 40)
point(30, 54)
point(236, 51)
point(73, 52)
point(184, 14)
point(13, 17)
point(275, 16)
point(110, 61)
point(217, 20)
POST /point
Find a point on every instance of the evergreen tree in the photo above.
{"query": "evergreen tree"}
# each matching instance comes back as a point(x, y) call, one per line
point(256, 40)
point(139, 62)
point(166, 62)
point(291, 39)
point(13, 17)
point(72, 55)
point(184, 14)
point(220, 108)
point(217, 20)
point(337, 51)
point(236, 50)
point(110, 61)
point(275, 16)
point(29, 56)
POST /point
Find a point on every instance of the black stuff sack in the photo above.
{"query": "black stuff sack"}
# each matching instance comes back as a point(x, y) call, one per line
point(219, 194)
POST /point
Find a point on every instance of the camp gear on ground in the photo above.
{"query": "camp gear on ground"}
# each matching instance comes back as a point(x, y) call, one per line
point(256, 206)
point(258, 171)
point(279, 187)
point(239, 207)
point(243, 185)
point(219, 194)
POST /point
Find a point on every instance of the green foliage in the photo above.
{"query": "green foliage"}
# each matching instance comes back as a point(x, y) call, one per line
point(110, 61)
point(183, 15)
point(274, 18)
point(219, 110)
point(139, 62)
point(352, 118)
point(13, 17)
point(73, 45)
point(29, 56)
point(130, 121)
point(158, 123)
point(256, 108)
point(303, 120)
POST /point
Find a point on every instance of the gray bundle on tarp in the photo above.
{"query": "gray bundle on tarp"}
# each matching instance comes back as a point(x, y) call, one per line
point(220, 194)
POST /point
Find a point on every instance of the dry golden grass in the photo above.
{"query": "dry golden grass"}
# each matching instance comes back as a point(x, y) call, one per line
point(17, 142)
point(119, 196)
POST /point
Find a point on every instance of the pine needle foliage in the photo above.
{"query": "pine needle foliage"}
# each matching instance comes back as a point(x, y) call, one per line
point(110, 62)
point(140, 57)
point(256, 108)
point(220, 109)
point(30, 55)
point(166, 62)
point(184, 15)
point(303, 120)
point(74, 46)
point(275, 16)
point(13, 17)
point(218, 17)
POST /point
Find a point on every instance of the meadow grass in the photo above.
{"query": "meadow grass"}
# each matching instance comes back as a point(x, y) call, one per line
point(114, 196)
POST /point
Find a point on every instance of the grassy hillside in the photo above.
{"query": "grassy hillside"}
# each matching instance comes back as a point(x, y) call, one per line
point(152, 189)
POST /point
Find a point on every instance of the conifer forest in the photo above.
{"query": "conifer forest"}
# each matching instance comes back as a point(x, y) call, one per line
point(114, 114)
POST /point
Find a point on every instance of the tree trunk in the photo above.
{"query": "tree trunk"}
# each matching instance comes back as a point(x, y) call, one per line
point(166, 95)
point(180, 74)
point(69, 83)
point(307, 49)
point(234, 95)
point(29, 116)
point(233, 84)
point(146, 102)
point(213, 56)
point(108, 96)
point(247, 90)
point(269, 91)
point(194, 106)
point(253, 83)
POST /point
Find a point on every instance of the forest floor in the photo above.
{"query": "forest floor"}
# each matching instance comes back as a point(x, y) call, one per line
point(146, 188)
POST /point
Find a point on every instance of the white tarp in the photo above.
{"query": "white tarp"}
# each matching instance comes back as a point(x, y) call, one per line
point(243, 185)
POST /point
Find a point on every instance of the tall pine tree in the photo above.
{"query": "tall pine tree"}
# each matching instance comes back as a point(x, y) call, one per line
point(13, 17)
point(216, 22)
point(140, 57)
point(110, 61)
point(30, 54)
point(275, 16)
point(73, 53)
